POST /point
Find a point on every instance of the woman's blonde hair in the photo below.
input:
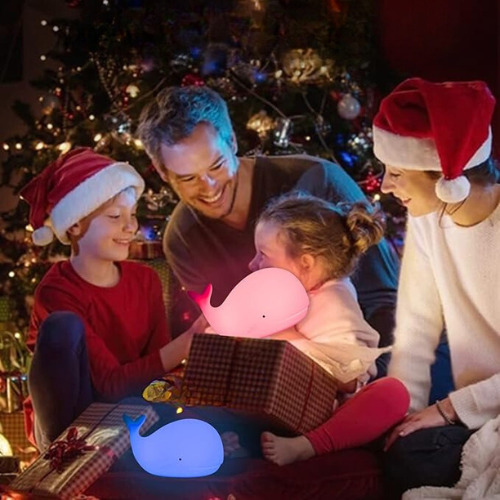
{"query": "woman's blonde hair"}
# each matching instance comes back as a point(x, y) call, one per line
point(339, 233)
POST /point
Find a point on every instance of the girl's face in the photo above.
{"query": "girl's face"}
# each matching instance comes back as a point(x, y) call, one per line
point(111, 230)
point(414, 188)
point(271, 250)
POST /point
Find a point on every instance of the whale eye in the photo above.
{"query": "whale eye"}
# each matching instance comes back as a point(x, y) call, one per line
point(263, 315)
point(180, 459)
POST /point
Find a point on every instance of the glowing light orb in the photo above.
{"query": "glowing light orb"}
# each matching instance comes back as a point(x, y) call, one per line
point(184, 448)
point(265, 302)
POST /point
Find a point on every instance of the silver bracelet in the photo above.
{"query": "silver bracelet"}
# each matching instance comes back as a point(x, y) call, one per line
point(447, 419)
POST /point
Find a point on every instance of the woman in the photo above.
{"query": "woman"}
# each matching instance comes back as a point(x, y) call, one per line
point(435, 142)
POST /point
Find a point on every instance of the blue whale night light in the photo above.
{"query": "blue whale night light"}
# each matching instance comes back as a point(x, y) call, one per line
point(184, 448)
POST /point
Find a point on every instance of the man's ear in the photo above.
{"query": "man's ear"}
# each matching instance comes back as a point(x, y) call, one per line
point(163, 173)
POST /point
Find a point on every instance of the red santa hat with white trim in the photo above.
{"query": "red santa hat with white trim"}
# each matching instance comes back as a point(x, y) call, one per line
point(71, 188)
point(442, 127)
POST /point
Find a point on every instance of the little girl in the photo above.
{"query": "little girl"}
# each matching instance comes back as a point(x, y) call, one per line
point(321, 243)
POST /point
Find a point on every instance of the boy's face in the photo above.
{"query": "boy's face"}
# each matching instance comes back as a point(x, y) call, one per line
point(110, 230)
point(271, 250)
point(202, 170)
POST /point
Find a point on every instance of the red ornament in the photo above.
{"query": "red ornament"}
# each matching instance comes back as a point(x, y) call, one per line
point(335, 95)
point(192, 79)
point(73, 3)
point(372, 183)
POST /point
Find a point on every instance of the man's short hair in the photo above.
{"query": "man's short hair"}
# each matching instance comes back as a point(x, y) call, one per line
point(175, 112)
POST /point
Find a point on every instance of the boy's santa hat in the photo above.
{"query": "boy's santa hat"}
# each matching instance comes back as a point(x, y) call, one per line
point(71, 188)
point(443, 127)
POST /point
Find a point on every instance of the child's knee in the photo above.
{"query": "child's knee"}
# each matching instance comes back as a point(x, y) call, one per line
point(394, 393)
point(61, 330)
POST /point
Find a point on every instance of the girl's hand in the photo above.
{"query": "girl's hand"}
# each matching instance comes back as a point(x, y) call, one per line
point(429, 417)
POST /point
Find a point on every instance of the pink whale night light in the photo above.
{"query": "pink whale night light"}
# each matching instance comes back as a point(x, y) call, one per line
point(265, 302)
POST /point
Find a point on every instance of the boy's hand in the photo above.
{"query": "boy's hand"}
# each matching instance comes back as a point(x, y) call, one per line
point(199, 325)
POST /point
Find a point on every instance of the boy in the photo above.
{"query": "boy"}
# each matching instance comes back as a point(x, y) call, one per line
point(98, 321)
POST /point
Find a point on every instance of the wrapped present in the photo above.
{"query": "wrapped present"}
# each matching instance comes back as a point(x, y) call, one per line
point(13, 391)
point(146, 250)
point(270, 380)
point(12, 428)
point(83, 452)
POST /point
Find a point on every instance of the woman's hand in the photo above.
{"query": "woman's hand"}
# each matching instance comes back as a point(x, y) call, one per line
point(429, 417)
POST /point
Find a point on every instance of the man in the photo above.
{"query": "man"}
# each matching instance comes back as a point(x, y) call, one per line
point(188, 134)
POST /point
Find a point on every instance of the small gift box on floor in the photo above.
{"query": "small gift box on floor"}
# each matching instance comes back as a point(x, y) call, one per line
point(268, 380)
point(83, 452)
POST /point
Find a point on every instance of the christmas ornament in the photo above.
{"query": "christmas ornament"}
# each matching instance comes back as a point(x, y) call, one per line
point(282, 131)
point(192, 79)
point(322, 126)
point(184, 448)
point(348, 107)
point(49, 103)
point(156, 201)
point(120, 126)
point(132, 90)
point(372, 183)
point(301, 65)
point(360, 143)
point(180, 62)
point(262, 123)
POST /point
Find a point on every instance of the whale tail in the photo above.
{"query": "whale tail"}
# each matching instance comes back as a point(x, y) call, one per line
point(134, 425)
point(203, 298)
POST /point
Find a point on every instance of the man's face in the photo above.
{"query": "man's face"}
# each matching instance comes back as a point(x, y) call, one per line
point(202, 170)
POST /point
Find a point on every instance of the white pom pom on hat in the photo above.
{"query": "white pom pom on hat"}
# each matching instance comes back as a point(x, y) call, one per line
point(71, 188)
point(443, 127)
point(42, 236)
point(453, 190)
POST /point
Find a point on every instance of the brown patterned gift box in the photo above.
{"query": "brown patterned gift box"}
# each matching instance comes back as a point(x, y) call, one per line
point(12, 427)
point(101, 426)
point(269, 379)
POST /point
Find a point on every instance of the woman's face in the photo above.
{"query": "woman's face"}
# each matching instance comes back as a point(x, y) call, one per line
point(414, 188)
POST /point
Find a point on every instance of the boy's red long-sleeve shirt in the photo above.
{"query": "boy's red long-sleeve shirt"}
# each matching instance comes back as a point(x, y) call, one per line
point(125, 325)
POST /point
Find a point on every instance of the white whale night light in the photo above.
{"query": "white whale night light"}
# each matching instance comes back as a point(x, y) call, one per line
point(184, 448)
point(265, 302)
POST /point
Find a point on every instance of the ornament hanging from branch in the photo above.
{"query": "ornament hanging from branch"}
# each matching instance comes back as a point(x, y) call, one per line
point(49, 103)
point(305, 66)
point(282, 132)
point(262, 123)
point(348, 107)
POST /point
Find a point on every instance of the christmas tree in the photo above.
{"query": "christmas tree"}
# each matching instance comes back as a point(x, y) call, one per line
point(298, 75)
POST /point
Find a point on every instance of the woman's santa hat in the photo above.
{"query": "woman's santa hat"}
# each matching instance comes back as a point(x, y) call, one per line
point(71, 188)
point(443, 127)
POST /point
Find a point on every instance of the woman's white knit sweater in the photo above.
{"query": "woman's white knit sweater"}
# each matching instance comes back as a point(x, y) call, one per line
point(450, 277)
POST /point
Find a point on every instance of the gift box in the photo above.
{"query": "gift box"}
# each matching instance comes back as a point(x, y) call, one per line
point(269, 380)
point(12, 428)
point(146, 250)
point(83, 452)
point(13, 391)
